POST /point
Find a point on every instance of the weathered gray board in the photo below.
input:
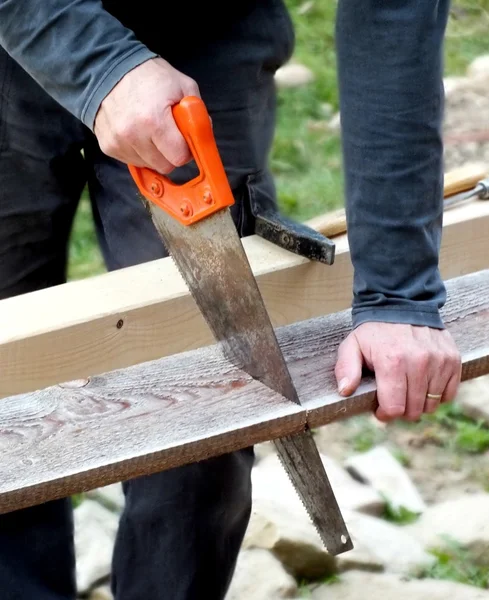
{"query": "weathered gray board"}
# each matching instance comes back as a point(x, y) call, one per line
point(184, 408)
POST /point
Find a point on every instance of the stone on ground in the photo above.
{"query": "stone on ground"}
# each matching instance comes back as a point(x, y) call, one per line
point(380, 545)
point(111, 496)
point(479, 67)
point(101, 593)
point(271, 481)
point(260, 576)
point(292, 538)
point(293, 75)
point(383, 472)
point(357, 585)
point(473, 398)
point(95, 531)
point(464, 520)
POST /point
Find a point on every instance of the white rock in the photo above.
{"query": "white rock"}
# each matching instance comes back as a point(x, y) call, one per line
point(288, 532)
point(479, 67)
point(370, 586)
point(335, 123)
point(270, 481)
point(473, 398)
point(263, 450)
point(95, 531)
point(453, 84)
point(101, 593)
point(293, 75)
point(290, 535)
point(380, 545)
point(260, 576)
point(379, 469)
point(465, 520)
point(305, 7)
point(111, 496)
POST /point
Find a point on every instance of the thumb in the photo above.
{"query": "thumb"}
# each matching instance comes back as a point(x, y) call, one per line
point(348, 369)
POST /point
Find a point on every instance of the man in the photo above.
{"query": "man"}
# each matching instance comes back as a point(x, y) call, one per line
point(102, 77)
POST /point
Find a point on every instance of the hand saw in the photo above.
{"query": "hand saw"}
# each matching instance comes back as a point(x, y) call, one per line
point(197, 228)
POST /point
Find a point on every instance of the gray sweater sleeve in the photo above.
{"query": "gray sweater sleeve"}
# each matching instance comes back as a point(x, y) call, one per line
point(390, 57)
point(75, 49)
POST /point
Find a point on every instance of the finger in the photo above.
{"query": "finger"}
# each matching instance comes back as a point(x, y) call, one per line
point(190, 87)
point(149, 153)
point(445, 381)
point(382, 416)
point(348, 369)
point(170, 142)
point(417, 387)
point(452, 387)
point(124, 153)
point(432, 403)
point(436, 388)
point(390, 376)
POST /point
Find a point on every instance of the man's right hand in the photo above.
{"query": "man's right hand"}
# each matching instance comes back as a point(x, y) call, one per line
point(135, 124)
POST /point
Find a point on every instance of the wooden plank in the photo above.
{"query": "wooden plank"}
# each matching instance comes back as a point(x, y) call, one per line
point(71, 331)
point(188, 407)
point(132, 422)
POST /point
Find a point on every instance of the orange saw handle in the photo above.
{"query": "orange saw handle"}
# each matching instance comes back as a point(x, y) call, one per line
point(209, 191)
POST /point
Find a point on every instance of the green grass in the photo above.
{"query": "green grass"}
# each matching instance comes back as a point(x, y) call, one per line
point(466, 34)
point(306, 158)
point(305, 587)
point(454, 563)
point(398, 515)
point(458, 432)
point(85, 258)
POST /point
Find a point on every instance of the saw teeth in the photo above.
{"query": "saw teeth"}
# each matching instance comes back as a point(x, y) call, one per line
point(304, 467)
point(302, 501)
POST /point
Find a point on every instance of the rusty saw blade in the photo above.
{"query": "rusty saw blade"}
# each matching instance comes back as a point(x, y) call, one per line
point(210, 257)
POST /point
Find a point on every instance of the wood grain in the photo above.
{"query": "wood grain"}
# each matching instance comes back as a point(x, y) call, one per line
point(131, 422)
point(188, 407)
point(71, 331)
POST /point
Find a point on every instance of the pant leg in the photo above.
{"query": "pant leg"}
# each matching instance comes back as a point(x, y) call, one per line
point(181, 530)
point(41, 177)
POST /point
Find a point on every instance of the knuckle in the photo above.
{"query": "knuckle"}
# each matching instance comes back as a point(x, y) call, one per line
point(108, 146)
point(145, 122)
point(165, 168)
point(395, 360)
point(455, 358)
point(181, 156)
point(126, 133)
point(449, 361)
point(191, 86)
point(393, 411)
point(423, 358)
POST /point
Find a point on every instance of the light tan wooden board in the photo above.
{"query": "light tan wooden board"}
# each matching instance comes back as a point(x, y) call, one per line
point(70, 331)
point(192, 406)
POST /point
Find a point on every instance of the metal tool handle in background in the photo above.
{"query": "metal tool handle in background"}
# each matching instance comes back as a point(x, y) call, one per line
point(202, 196)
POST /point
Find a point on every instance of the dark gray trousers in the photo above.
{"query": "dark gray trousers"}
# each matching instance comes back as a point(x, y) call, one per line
point(181, 530)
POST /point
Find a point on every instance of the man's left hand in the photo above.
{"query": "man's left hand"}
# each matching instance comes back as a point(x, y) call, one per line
point(415, 368)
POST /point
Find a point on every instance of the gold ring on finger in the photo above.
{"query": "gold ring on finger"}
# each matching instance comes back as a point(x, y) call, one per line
point(434, 396)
